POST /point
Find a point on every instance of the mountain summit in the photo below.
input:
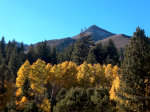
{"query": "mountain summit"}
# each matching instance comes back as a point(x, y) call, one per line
point(96, 33)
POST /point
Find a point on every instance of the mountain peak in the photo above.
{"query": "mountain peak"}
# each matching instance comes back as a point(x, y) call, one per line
point(94, 27)
point(96, 33)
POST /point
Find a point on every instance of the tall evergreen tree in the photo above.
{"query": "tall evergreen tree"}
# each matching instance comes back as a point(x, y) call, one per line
point(4, 76)
point(2, 46)
point(15, 62)
point(21, 52)
point(5, 88)
point(2, 49)
point(112, 53)
point(91, 58)
point(53, 55)
point(8, 50)
point(31, 54)
point(43, 52)
point(121, 55)
point(100, 53)
point(133, 93)
point(66, 54)
point(81, 49)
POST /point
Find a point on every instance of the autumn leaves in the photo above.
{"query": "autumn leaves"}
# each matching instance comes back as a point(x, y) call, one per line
point(64, 75)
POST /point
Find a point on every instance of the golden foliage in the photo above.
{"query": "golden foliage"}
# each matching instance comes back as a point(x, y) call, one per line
point(38, 76)
point(84, 75)
point(23, 73)
point(46, 106)
point(7, 96)
point(67, 75)
point(115, 83)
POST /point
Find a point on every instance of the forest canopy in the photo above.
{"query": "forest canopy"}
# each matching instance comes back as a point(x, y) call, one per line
point(84, 77)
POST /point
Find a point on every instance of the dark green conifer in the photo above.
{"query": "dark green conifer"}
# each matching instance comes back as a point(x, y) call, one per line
point(53, 55)
point(66, 54)
point(43, 52)
point(81, 49)
point(91, 58)
point(134, 87)
point(112, 53)
point(15, 62)
point(100, 53)
point(31, 54)
point(2, 46)
point(5, 75)
point(25, 88)
point(8, 50)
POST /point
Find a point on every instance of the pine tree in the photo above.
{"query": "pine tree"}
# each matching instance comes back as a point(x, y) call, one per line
point(91, 58)
point(15, 62)
point(53, 55)
point(2, 46)
point(121, 55)
point(8, 51)
point(100, 53)
point(66, 54)
point(31, 54)
point(5, 87)
point(43, 52)
point(21, 52)
point(112, 53)
point(81, 49)
point(25, 88)
point(133, 91)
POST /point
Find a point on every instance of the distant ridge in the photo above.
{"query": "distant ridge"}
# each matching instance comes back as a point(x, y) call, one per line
point(60, 44)
point(120, 40)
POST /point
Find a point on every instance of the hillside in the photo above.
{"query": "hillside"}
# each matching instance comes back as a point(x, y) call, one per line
point(59, 43)
point(96, 33)
point(119, 40)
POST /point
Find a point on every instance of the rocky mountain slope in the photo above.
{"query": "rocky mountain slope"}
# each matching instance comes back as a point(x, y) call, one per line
point(119, 40)
point(97, 34)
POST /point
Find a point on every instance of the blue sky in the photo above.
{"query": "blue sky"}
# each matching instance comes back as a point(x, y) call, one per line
point(31, 21)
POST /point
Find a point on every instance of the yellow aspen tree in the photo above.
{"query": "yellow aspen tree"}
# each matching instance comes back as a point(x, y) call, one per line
point(99, 75)
point(115, 83)
point(46, 105)
point(55, 75)
point(84, 75)
point(69, 71)
point(109, 74)
point(92, 75)
point(22, 74)
point(116, 71)
point(48, 68)
point(55, 81)
point(38, 76)
point(22, 102)
point(114, 88)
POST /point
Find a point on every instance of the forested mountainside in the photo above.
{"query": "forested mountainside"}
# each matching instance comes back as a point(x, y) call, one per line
point(119, 40)
point(96, 33)
point(84, 77)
